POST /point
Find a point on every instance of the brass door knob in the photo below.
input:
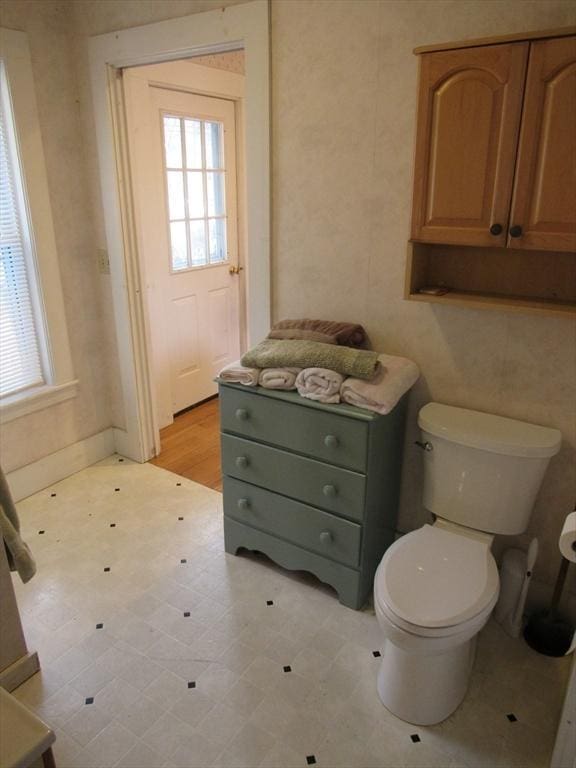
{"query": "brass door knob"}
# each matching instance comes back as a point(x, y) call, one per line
point(235, 270)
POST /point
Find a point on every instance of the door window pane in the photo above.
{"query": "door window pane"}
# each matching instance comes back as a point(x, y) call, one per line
point(173, 142)
point(195, 195)
point(176, 194)
point(215, 184)
point(179, 245)
point(197, 243)
point(217, 238)
point(213, 139)
point(193, 144)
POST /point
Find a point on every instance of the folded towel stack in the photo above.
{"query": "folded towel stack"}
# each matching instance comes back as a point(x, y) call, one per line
point(326, 331)
point(235, 373)
point(273, 353)
point(319, 384)
point(395, 376)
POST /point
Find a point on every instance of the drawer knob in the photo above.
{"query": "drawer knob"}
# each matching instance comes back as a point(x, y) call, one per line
point(242, 462)
point(243, 504)
point(331, 441)
point(242, 414)
point(325, 537)
point(329, 490)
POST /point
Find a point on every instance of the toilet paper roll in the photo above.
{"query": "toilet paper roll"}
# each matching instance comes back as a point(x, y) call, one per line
point(567, 540)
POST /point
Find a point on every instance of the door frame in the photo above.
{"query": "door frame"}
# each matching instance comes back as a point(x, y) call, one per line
point(243, 26)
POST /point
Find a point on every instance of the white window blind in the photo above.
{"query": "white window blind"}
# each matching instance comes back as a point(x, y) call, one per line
point(20, 358)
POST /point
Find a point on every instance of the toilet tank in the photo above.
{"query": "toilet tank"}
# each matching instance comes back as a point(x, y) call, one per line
point(483, 471)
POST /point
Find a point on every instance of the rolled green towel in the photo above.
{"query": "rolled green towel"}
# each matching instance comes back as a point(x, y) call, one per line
point(274, 353)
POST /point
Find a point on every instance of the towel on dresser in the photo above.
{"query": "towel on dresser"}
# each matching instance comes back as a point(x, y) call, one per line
point(327, 331)
point(395, 376)
point(18, 552)
point(319, 384)
point(276, 353)
point(278, 378)
point(235, 373)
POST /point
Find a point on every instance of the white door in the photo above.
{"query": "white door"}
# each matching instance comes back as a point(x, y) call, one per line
point(182, 153)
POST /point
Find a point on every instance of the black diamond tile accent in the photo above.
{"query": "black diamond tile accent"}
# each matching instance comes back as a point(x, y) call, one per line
point(376, 654)
point(89, 700)
point(112, 525)
point(183, 560)
point(192, 684)
point(287, 669)
point(180, 518)
point(116, 489)
point(269, 602)
point(310, 759)
point(120, 460)
point(52, 495)
point(415, 738)
point(186, 614)
point(99, 626)
point(178, 483)
point(41, 532)
point(512, 717)
point(106, 569)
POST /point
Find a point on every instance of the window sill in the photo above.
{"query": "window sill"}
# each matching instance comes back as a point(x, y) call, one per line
point(23, 403)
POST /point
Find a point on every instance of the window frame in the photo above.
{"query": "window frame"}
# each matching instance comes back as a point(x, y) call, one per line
point(44, 274)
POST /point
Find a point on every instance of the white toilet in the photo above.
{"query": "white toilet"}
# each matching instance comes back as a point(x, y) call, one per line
point(435, 587)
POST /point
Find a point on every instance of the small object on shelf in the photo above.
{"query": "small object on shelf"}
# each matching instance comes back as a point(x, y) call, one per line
point(434, 290)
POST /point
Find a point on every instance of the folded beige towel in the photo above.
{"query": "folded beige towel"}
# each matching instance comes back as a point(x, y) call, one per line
point(346, 334)
point(19, 556)
point(278, 378)
point(273, 353)
point(235, 373)
point(395, 376)
point(319, 384)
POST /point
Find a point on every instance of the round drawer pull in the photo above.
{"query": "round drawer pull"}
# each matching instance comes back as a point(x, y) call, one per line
point(496, 229)
point(329, 490)
point(325, 537)
point(242, 462)
point(243, 504)
point(242, 414)
point(331, 441)
point(515, 231)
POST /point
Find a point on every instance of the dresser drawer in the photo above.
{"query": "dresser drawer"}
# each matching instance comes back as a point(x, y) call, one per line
point(298, 523)
point(331, 488)
point(326, 436)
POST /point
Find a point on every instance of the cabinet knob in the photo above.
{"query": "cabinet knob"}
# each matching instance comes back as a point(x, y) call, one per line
point(496, 229)
point(242, 462)
point(325, 538)
point(329, 490)
point(242, 414)
point(331, 441)
point(243, 504)
point(515, 231)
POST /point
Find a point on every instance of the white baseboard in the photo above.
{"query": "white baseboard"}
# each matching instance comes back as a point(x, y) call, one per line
point(56, 466)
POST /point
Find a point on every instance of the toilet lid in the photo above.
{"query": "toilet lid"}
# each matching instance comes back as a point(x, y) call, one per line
point(432, 577)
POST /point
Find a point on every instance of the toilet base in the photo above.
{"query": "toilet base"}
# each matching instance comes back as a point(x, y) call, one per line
point(424, 689)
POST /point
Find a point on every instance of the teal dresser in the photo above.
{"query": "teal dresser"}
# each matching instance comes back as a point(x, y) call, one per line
point(315, 487)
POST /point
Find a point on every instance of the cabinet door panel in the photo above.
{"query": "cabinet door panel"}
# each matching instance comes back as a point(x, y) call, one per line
point(468, 120)
point(544, 202)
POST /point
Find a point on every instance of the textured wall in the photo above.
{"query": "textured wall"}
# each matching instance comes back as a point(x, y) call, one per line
point(32, 437)
point(344, 101)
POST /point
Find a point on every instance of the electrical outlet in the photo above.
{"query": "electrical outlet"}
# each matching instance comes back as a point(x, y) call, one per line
point(103, 261)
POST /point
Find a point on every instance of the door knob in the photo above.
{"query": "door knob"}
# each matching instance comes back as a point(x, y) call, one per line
point(515, 231)
point(235, 270)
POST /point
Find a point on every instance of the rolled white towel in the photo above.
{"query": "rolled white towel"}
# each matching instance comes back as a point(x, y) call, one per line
point(394, 377)
point(239, 374)
point(278, 378)
point(319, 384)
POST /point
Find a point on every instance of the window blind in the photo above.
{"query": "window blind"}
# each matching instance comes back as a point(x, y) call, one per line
point(20, 361)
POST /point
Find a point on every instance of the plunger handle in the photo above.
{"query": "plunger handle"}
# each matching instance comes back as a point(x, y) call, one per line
point(558, 587)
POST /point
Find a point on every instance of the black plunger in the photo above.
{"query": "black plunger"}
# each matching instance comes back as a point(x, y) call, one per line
point(546, 632)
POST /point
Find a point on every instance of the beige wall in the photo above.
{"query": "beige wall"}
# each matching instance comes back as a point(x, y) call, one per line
point(32, 437)
point(343, 118)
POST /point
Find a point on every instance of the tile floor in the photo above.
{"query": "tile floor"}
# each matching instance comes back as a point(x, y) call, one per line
point(160, 651)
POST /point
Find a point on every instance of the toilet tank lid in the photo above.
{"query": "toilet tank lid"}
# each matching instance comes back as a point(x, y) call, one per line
point(488, 432)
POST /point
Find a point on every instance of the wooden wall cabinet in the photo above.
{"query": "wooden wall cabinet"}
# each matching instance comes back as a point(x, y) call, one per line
point(495, 172)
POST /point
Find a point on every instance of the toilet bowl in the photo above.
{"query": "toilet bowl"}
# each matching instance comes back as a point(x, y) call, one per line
point(435, 587)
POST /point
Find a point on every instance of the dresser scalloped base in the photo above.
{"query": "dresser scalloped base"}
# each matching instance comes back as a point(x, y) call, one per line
point(346, 581)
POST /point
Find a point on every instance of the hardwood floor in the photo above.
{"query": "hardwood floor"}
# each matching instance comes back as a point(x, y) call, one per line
point(191, 445)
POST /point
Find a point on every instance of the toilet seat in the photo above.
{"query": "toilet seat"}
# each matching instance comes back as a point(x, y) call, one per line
point(436, 582)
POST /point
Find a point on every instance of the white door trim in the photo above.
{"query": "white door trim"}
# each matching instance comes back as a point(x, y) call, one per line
point(240, 26)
